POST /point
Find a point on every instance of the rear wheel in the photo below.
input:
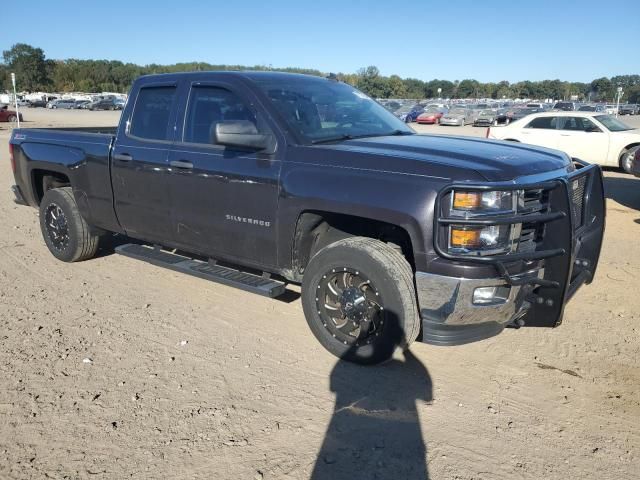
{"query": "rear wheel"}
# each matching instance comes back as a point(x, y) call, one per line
point(67, 235)
point(11, 118)
point(626, 158)
point(359, 300)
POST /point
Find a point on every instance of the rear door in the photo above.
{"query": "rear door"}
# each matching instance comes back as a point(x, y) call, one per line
point(224, 200)
point(582, 138)
point(540, 131)
point(140, 163)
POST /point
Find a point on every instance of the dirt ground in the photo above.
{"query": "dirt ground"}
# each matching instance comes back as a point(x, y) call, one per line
point(113, 368)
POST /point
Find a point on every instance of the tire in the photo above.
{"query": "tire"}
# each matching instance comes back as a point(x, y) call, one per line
point(67, 235)
point(626, 159)
point(11, 118)
point(373, 270)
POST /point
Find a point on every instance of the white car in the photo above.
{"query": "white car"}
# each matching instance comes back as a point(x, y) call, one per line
point(590, 136)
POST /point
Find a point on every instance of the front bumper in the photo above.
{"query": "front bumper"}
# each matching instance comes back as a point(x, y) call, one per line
point(451, 121)
point(539, 280)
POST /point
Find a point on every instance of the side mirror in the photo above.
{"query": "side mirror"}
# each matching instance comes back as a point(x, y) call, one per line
point(242, 134)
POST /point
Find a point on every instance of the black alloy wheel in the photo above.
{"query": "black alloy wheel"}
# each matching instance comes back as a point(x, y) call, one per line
point(350, 306)
point(57, 227)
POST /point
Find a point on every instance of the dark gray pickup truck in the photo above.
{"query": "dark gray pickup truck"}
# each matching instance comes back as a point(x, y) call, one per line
point(257, 179)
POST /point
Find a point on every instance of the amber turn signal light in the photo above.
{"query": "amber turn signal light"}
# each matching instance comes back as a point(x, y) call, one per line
point(464, 238)
point(466, 200)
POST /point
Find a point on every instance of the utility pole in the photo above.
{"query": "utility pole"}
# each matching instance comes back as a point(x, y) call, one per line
point(15, 97)
point(618, 100)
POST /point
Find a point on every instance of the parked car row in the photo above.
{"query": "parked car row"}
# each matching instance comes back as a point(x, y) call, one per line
point(101, 104)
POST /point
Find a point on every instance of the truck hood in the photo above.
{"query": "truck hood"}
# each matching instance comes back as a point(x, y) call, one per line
point(495, 161)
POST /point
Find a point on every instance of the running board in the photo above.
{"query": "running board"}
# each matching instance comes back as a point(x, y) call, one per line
point(205, 270)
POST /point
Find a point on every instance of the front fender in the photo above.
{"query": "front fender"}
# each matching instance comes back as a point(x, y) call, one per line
point(403, 200)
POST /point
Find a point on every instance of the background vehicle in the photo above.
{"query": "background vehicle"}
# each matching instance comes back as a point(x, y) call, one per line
point(80, 104)
point(7, 115)
point(431, 115)
point(457, 116)
point(104, 104)
point(610, 109)
point(63, 103)
point(629, 109)
point(412, 115)
point(591, 108)
point(512, 114)
point(592, 137)
point(438, 236)
point(37, 103)
point(485, 118)
point(564, 106)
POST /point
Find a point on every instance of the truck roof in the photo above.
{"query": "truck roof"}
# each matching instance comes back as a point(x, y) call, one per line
point(250, 74)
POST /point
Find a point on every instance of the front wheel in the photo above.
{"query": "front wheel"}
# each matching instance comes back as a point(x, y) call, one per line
point(67, 235)
point(359, 300)
point(11, 118)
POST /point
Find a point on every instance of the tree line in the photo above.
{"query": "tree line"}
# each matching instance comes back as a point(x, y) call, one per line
point(37, 73)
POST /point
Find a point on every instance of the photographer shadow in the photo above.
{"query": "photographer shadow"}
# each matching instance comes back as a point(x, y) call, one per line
point(375, 430)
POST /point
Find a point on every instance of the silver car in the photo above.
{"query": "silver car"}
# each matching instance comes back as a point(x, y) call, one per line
point(485, 118)
point(457, 116)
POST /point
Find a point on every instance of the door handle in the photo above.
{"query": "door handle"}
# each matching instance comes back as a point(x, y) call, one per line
point(181, 164)
point(565, 135)
point(123, 157)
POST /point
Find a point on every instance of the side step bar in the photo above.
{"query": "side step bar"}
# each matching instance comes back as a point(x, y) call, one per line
point(207, 271)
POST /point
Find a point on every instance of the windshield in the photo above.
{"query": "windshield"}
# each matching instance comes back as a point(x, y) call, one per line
point(458, 111)
point(319, 110)
point(612, 123)
point(487, 112)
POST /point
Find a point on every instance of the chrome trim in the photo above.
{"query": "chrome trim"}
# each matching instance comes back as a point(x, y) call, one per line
point(449, 300)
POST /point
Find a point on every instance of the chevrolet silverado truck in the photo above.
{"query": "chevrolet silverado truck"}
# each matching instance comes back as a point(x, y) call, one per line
point(260, 179)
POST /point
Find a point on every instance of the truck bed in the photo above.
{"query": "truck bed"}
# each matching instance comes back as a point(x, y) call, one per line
point(79, 155)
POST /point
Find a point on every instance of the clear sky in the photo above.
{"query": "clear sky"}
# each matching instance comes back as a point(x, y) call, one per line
point(489, 40)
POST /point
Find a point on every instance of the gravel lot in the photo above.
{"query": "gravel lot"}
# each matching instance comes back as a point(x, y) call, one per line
point(113, 368)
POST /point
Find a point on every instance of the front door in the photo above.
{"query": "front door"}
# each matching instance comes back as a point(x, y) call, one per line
point(582, 138)
point(224, 200)
point(140, 165)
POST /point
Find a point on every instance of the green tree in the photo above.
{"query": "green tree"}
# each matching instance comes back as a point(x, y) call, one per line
point(603, 88)
point(29, 65)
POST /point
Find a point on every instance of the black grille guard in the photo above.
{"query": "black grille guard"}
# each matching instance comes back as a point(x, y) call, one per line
point(568, 251)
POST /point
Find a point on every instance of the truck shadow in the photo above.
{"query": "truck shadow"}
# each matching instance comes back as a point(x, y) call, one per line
point(624, 190)
point(375, 431)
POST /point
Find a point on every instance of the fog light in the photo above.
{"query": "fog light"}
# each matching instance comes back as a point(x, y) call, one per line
point(490, 295)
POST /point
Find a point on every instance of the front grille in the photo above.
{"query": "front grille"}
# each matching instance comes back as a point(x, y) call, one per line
point(577, 187)
point(533, 201)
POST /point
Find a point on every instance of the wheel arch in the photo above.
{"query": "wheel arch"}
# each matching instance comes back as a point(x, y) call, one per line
point(43, 180)
point(316, 229)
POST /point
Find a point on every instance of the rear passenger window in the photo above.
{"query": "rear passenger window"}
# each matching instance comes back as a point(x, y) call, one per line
point(543, 122)
point(207, 107)
point(150, 118)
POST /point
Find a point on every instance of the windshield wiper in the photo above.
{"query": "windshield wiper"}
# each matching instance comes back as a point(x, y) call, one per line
point(346, 136)
point(333, 139)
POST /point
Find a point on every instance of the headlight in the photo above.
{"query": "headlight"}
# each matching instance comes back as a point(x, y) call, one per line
point(480, 240)
point(485, 239)
point(479, 202)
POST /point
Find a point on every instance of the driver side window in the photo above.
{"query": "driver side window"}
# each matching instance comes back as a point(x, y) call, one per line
point(207, 107)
